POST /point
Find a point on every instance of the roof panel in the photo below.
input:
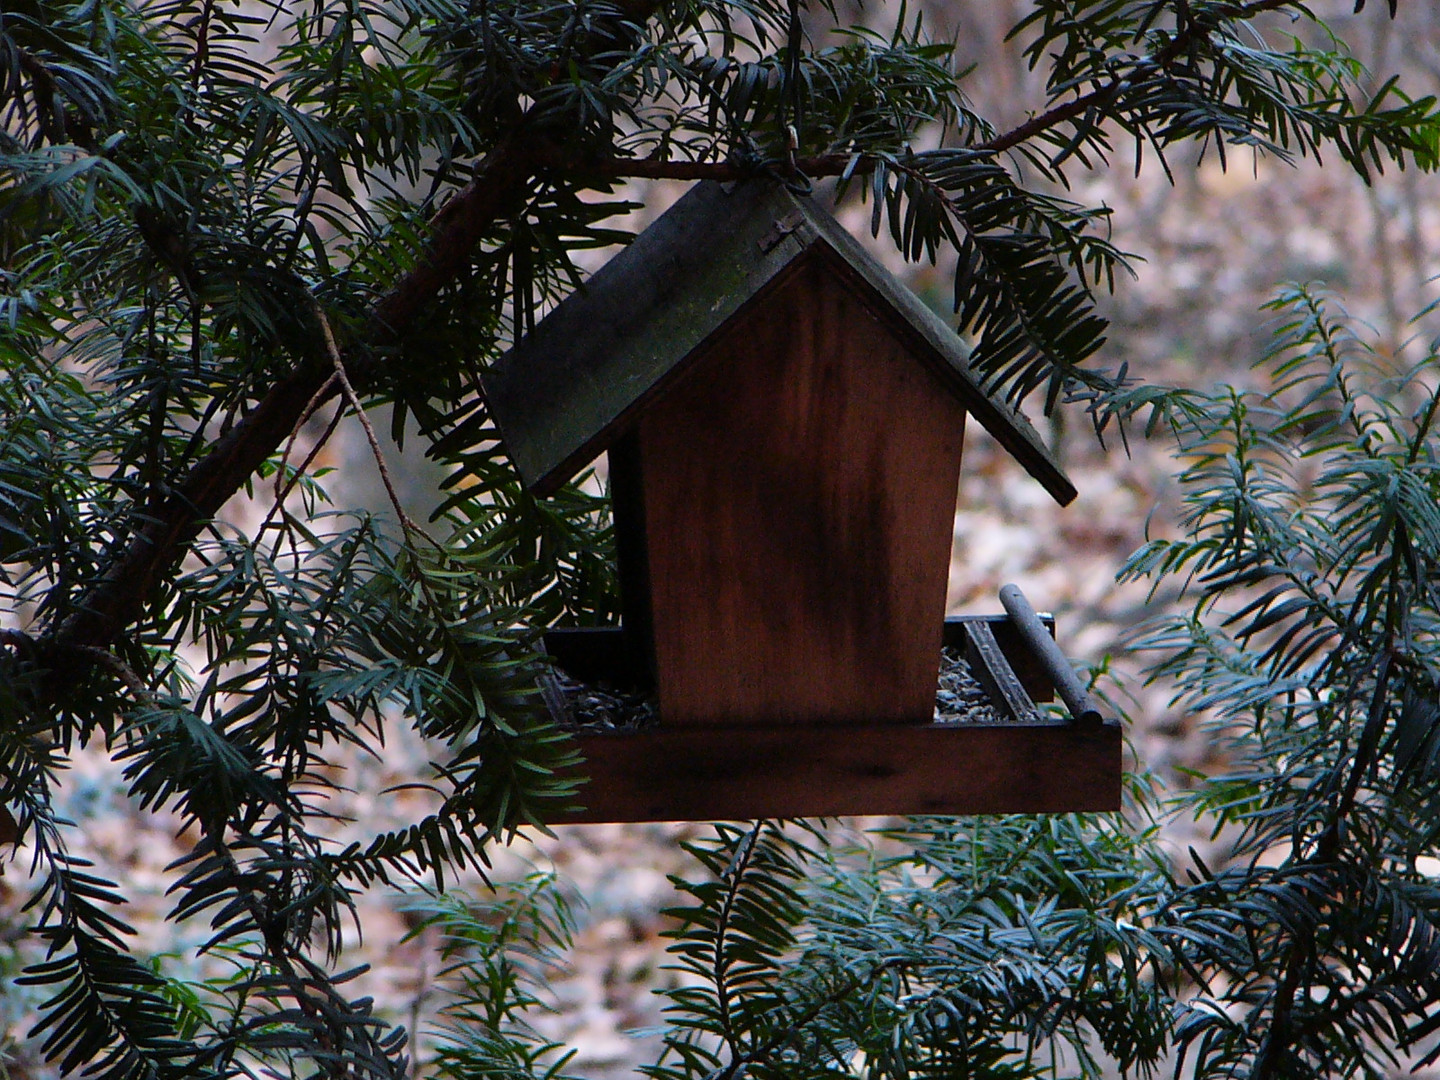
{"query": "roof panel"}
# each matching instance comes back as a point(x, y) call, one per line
point(563, 393)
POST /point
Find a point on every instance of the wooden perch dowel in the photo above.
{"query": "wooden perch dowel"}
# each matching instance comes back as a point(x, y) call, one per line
point(1062, 675)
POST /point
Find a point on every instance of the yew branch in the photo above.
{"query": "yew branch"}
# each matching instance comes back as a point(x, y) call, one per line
point(1186, 37)
point(103, 614)
point(502, 177)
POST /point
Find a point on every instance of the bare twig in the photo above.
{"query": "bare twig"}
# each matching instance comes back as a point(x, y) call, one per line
point(282, 488)
point(302, 468)
point(406, 521)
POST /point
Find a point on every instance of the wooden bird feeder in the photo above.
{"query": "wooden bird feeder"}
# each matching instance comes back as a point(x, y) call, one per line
point(784, 423)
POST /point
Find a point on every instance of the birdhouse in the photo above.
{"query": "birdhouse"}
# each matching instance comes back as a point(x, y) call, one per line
point(784, 423)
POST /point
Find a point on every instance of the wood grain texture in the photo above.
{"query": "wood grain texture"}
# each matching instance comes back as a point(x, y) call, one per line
point(800, 487)
point(717, 774)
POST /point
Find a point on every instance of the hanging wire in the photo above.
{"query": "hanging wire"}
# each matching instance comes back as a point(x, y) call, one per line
point(790, 116)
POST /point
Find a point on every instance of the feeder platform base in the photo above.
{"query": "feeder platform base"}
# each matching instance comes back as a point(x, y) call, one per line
point(1030, 763)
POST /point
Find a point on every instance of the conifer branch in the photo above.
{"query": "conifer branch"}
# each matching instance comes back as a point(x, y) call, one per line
point(499, 182)
point(101, 616)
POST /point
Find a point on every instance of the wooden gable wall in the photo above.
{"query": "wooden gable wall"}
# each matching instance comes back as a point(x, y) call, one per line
point(798, 488)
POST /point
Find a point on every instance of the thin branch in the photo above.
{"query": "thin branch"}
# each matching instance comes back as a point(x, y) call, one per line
point(1184, 38)
point(1278, 1039)
point(322, 1006)
point(764, 1053)
point(124, 672)
point(282, 488)
point(722, 171)
point(27, 646)
point(734, 878)
point(301, 469)
point(406, 521)
point(501, 180)
point(835, 164)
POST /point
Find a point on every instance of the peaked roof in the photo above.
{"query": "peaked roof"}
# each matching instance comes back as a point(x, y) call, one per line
point(592, 365)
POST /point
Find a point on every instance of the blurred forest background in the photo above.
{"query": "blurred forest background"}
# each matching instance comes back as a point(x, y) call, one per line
point(1211, 245)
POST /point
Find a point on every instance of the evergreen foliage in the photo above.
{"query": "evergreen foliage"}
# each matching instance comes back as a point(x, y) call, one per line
point(217, 218)
point(1313, 541)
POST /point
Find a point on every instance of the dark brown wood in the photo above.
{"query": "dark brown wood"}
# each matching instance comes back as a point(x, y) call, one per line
point(993, 671)
point(786, 425)
point(720, 773)
point(773, 770)
point(799, 497)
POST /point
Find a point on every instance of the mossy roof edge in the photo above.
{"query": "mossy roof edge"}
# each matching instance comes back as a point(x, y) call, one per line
point(574, 383)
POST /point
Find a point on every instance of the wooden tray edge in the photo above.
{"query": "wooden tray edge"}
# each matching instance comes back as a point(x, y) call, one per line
point(722, 773)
